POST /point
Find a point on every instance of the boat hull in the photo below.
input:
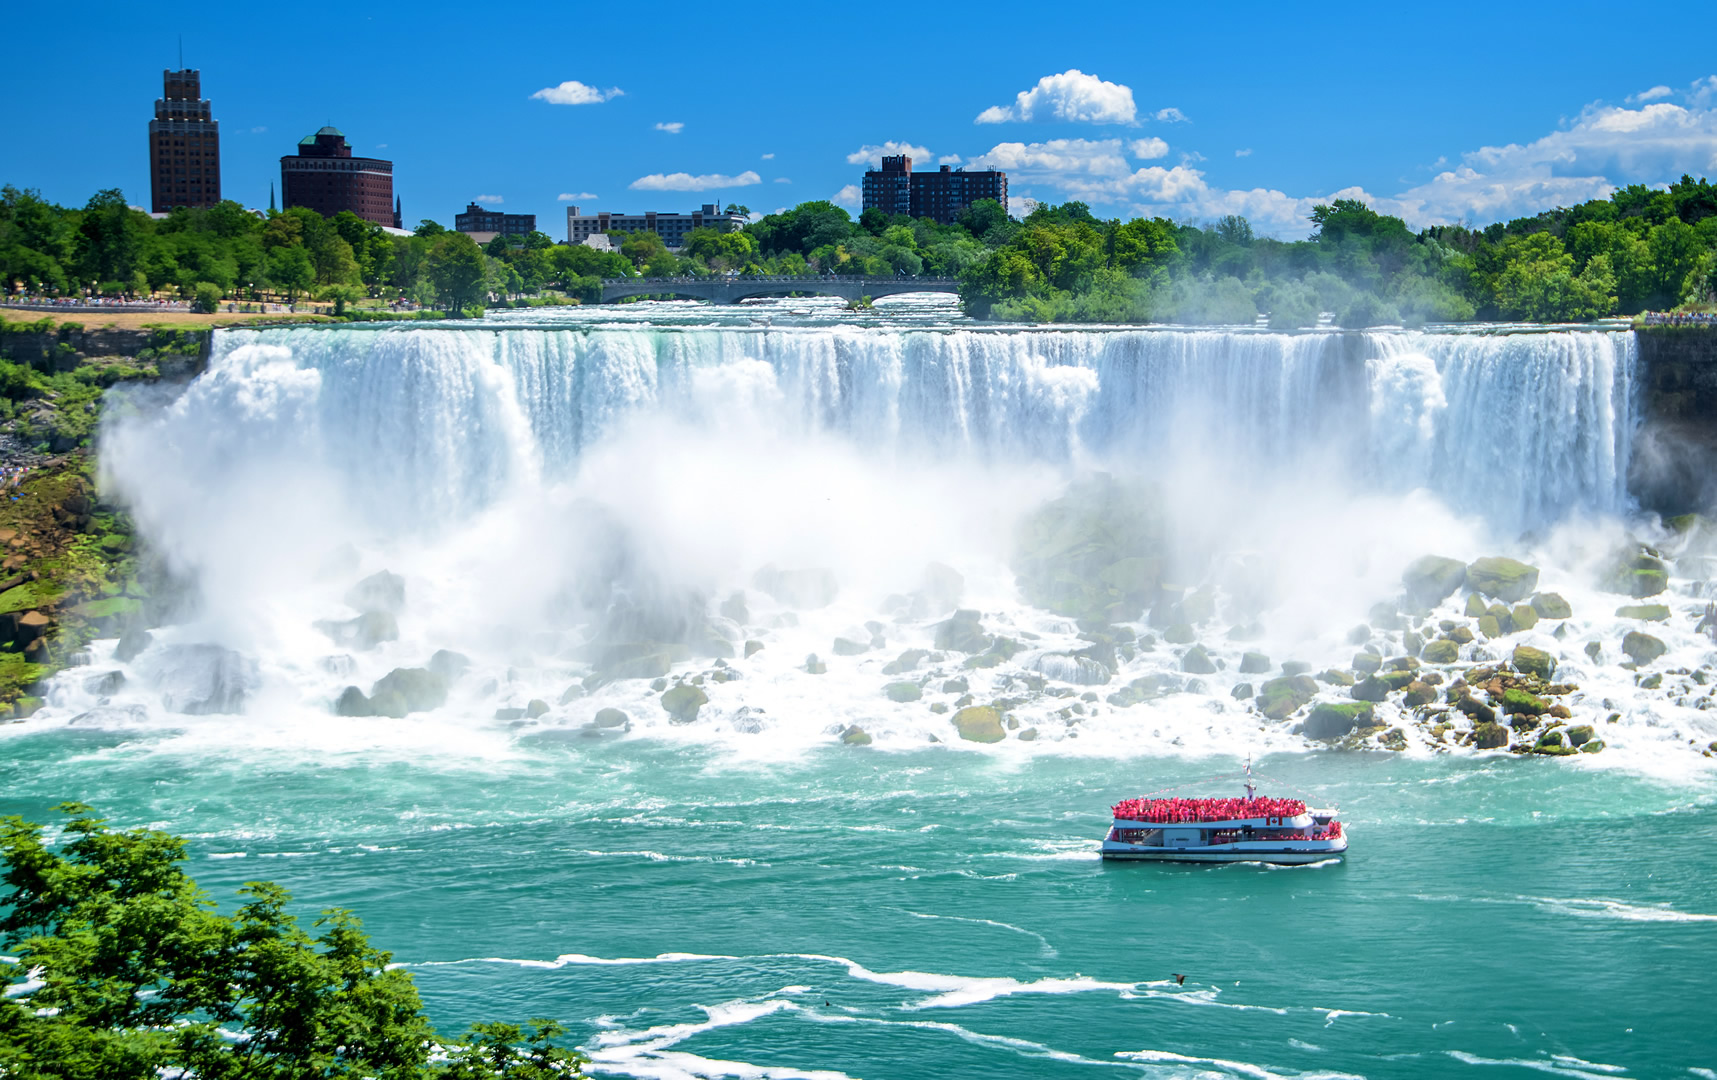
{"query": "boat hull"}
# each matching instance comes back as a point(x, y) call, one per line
point(1281, 856)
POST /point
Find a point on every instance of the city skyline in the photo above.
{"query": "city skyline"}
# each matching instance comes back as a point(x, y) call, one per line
point(1432, 126)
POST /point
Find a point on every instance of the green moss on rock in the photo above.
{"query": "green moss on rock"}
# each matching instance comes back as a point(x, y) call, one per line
point(1441, 651)
point(979, 723)
point(1329, 720)
point(1432, 579)
point(1278, 698)
point(1499, 578)
point(1646, 612)
point(1550, 605)
point(1532, 661)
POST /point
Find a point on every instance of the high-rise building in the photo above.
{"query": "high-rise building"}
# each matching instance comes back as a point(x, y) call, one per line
point(481, 221)
point(672, 228)
point(889, 188)
point(939, 195)
point(184, 145)
point(326, 178)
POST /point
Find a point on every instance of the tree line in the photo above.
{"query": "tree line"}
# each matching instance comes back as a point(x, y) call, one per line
point(1641, 249)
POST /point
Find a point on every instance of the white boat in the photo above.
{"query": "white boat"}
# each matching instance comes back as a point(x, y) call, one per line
point(1252, 829)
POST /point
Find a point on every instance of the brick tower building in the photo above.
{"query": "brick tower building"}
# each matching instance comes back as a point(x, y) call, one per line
point(325, 177)
point(184, 145)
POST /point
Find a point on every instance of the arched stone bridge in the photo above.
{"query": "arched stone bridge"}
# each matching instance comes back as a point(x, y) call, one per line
point(731, 290)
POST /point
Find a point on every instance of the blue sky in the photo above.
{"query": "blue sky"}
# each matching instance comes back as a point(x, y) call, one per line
point(1473, 112)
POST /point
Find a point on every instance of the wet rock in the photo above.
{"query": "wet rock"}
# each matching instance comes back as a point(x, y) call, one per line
point(1419, 693)
point(1001, 650)
point(1518, 702)
point(1412, 643)
point(407, 690)
point(682, 702)
point(1403, 663)
point(1593, 747)
point(1523, 616)
point(1550, 605)
point(1291, 668)
point(131, 644)
point(1441, 651)
point(1278, 698)
point(1638, 574)
point(536, 707)
point(1335, 677)
point(1551, 743)
point(752, 648)
point(201, 680)
point(806, 589)
point(352, 702)
point(903, 691)
point(449, 664)
point(1489, 626)
point(1371, 688)
point(107, 684)
point(1180, 633)
point(1489, 735)
point(979, 723)
point(381, 591)
point(611, 718)
point(1328, 720)
point(1432, 579)
point(1199, 607)
point(572, 693)
point(1254, 663)
point(1242, 691)
point(1197, 662)
point(851, 645)
point(1393, 739)
point(1367, 662)
point(1028, 735)
point(1138, 691)
point(1645, 612)
point(1503, 616)
point(1642, 648)
point(1474, 708)
point(905, 662)
point(1534, 662)
point(855, 736)
point(363, 633)
point(1508, 580)
point(955, 686)
point(1475, 606)
point(1594, 651)
point(1079, 670)
point(962, 633)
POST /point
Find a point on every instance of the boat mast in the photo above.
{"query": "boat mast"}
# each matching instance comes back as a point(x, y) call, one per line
point(1251, 789)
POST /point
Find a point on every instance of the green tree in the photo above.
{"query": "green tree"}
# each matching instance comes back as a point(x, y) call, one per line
point(457, 270)
point(290, 271)
point(133, 975)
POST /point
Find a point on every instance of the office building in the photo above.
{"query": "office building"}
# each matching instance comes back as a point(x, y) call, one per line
point(672, 228)
point(484, 224)
point(184, 145)
point(326, 178)
point(940, 195)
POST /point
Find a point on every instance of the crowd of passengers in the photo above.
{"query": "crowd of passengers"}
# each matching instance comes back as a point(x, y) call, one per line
point(1169, 811)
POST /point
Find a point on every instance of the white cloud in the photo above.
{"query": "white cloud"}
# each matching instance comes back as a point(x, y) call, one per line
point(1243, 153)
point(687, 182)
point(1071, 96)
point(782, 180)
point(573, 92)
point(768, 157)
point(1021, 206)
point(1173, 116)
point(491, 199)
point(874, 154)
point(1148, 149)
point(847, 196)
point(258, 130)
point(672, 127)
point(1191, 157)
point(1056, 158)
point(1703, 93)
point(948, 159)
point(1653, 94)
point(568, 196)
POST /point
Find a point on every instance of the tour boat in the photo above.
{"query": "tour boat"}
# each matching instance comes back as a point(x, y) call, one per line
point(1251, 829)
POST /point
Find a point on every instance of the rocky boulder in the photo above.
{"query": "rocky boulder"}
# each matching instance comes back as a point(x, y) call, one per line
point(1331, 721)
point(1441, 651)
point(1550, 605)
point(407, 690)
point(903, 691)
point(1644, 612)
point(962, 633)
point(855, 736)
point(980, 723)
point(352, 702)
point(363, 633)
point(202, 680)
point(611, 718)
point(1504, 579)
point(1641, 648)
point(1432, 579)
point(1490, 736)
point(1197, 662)
point(1278, 698)
point(1254, 663)
point(683, 701)
point(1534, 662)
point(1638, 573)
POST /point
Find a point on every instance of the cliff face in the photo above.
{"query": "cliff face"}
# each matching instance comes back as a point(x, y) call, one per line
point(1674, 466)
point(176, 352)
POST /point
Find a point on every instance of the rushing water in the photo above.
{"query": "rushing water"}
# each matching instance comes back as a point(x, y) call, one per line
point(745, 896)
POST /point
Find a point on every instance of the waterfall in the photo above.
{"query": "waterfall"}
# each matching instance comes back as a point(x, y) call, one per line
point(1521, 429)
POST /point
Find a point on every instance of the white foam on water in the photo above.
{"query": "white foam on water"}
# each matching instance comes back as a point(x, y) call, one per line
point(1048, 949)
point(1234, 1068)
point(1559, 1066)
point(650, 1053)
point(1607, 908)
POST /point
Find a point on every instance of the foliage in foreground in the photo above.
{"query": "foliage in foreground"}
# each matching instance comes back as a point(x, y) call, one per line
point(124, 969)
